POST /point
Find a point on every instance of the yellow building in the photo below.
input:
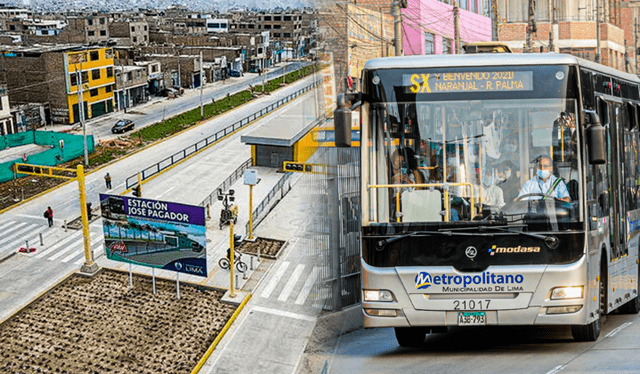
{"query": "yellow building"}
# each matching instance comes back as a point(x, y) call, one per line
point(94, 70)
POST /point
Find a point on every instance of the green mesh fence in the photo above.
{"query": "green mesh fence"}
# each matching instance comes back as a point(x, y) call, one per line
point(63, 147)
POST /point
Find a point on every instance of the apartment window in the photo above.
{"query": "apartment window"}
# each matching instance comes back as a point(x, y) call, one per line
point(102, 21)
point(276, 34)
point(103, 32)
point(429, 46)
point(93, 92)
point(287, 34)
point(154, 68)
point(94, 55)
point(277, 27)
point(129, 76)
point(90, 21)
point(145, 28)
point(287, 18)
point(223, 25)
point(73, 78)
point(252, 26)
point(109, 72)
point(85, 76)
point(133, 29)
point(135, 39)
point(145, 38)
point(267, 27)
point(95, 74)
point(108, 89)
point(214, 25)
point(267, 18)
point(91, 33)
point(277, 18)
point(12, 27)
point(446, 46)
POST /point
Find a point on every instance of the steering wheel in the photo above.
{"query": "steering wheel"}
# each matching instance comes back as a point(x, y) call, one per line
point(521, 198)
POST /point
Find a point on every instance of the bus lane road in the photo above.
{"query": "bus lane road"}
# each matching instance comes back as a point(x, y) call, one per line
point(506, 349)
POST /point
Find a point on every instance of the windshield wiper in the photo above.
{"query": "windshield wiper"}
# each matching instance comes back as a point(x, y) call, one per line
point(551, 241)
point(381, 243)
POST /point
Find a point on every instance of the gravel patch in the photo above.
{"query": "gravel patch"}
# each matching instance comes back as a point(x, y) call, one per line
point(97, 325)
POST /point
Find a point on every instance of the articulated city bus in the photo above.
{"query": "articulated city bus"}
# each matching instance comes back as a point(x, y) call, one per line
point(497, 189)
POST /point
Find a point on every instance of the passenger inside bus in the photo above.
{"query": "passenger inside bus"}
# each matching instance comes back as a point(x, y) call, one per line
point(491, 193)
point(544, 183)
point(405, 167)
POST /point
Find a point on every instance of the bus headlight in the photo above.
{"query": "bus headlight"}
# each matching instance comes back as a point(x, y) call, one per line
point(378, 295)
point(381, 312)
point(563, 309)
point(563, 293)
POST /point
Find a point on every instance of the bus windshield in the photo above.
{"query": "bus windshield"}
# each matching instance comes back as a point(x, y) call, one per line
point(510, 161)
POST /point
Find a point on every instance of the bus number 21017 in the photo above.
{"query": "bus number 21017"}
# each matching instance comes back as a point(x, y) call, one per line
point(471, 304)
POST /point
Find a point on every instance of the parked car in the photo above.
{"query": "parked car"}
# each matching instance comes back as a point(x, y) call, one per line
point(170, 92)
point(123, 125)
point(234, 73)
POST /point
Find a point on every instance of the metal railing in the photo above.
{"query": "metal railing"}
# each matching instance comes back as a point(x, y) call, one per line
point(181, 155)
point(276, 194)
point(227, 183)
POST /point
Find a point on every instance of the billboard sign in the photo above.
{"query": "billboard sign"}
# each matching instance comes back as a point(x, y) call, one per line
point(154, 233)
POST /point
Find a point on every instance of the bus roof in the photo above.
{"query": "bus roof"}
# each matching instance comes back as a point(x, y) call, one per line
point(491, 59)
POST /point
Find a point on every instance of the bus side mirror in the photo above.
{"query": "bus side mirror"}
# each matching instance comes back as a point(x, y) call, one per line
point(342, 123)
point(595, 139)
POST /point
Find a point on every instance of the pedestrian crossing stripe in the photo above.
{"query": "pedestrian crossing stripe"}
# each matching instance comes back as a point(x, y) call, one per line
point(286, 291)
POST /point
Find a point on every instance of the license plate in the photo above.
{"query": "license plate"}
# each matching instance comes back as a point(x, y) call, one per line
point(471, 318)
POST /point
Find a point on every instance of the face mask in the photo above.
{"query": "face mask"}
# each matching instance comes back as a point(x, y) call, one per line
point(487, 181)
point(543, 174)
point(510, 148)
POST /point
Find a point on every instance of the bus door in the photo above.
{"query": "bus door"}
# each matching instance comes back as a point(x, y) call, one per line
point(614, 129)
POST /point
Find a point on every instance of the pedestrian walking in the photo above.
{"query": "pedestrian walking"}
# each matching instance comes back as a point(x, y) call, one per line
point(48, 214)
point(107, 180)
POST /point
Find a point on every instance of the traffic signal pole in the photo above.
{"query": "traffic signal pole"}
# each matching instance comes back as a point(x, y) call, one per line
point(89, 265)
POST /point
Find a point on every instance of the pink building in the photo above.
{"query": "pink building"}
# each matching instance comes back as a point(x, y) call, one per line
point(427, 25)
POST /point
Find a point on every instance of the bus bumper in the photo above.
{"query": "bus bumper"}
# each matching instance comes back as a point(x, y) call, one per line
point(528, 316)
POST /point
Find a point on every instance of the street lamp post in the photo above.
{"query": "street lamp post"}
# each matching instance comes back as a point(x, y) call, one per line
point(81, 115)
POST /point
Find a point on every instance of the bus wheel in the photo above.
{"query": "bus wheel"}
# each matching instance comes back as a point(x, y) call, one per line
point(411, 336)
point(633, 306)
point(590, 332)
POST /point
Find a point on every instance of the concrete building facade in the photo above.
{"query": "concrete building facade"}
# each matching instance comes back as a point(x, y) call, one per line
point(90, 78)
point(130, 32)
point(572, 27)
point(428, 25)
point(6, 120)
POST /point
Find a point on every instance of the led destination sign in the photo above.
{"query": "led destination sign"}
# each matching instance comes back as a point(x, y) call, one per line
point(478, 81)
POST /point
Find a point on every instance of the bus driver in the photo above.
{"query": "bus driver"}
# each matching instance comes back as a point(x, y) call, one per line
point(544, 183)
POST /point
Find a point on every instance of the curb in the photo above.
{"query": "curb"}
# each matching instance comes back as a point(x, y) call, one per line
point(222, 333)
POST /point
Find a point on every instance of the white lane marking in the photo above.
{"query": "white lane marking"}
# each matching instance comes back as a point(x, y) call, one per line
point(17, 233)
point(32, 217)
point(274, 281)
point(81, 251)
point(308, 284)
point(286, 291)
point(159, 196)
point(617, 330)
point(81, 260)
point(283, 313)
point(6, 224)
point(30, 237)
point(556, 369)
point(68, 248)
point(59, 244)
